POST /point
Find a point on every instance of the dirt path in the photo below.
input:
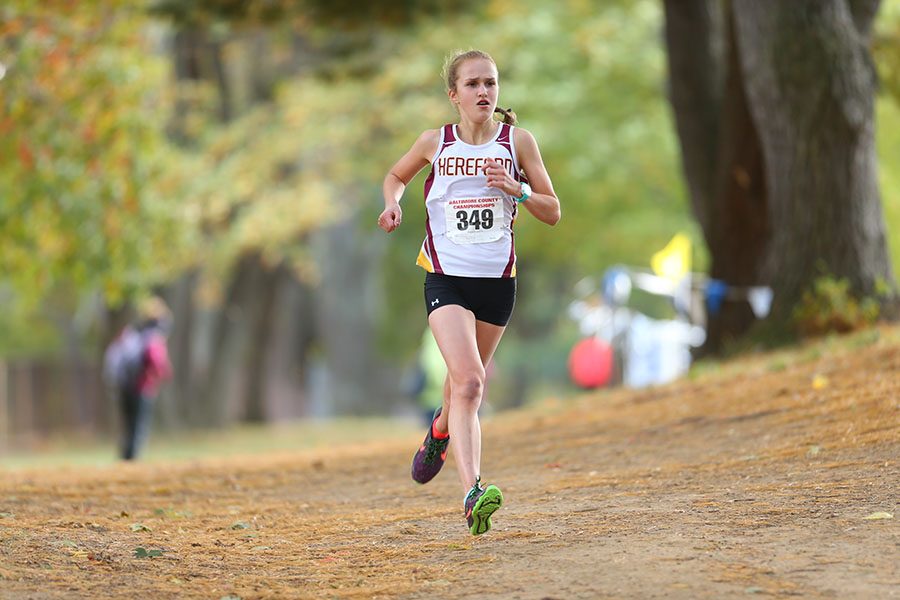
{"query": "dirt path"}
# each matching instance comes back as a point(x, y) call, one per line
point(754, 481)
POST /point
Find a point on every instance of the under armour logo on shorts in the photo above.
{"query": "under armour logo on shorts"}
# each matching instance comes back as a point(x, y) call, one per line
point(435, 301)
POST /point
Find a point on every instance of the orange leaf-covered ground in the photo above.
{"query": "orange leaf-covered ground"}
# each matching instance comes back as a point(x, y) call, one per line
point(754, 478)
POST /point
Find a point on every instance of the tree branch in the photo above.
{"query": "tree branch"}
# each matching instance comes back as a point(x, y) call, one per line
point(864, 12)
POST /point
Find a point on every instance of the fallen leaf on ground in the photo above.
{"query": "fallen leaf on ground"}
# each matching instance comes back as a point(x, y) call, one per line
point(820, 382)
point(878, 515)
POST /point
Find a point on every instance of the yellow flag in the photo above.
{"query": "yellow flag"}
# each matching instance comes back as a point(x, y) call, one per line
point(673, 261)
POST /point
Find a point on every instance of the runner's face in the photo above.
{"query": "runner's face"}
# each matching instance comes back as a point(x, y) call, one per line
point(476, 90)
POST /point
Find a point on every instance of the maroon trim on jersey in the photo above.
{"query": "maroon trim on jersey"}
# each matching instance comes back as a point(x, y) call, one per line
point(447, 138)
point(512, 254)
point(429, 248)
point(505, 140)
point(429, 182)
point(429, 238)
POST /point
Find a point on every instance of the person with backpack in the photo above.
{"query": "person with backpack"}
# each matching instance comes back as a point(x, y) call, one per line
point(136, 363)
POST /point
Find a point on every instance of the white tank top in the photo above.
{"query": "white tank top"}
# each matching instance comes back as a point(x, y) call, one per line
point(468, 225)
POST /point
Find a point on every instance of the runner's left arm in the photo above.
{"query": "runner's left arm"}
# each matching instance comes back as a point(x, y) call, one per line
point(543, 202)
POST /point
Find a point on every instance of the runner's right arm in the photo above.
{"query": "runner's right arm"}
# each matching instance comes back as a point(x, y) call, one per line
point(416, 159)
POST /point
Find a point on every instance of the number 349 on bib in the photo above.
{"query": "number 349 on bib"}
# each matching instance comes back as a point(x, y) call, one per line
point(477, 219)
point(474, 220)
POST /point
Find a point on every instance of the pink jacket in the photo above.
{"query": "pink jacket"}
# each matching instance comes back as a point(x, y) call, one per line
point(158, 368)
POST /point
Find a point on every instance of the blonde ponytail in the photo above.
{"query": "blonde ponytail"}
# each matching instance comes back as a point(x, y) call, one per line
point(509, 117)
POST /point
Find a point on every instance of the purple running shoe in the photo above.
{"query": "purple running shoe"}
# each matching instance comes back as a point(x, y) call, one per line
point(480, 505)
point(431, 455)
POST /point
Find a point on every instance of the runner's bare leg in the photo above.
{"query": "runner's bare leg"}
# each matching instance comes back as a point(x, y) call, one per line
point(467, 346)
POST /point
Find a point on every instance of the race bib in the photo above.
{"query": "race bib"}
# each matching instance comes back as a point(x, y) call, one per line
point(474, 220)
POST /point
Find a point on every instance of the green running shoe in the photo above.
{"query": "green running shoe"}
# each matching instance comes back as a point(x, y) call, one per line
point(480, 505)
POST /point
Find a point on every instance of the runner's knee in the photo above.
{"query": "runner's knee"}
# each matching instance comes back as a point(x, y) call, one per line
point(468, 388)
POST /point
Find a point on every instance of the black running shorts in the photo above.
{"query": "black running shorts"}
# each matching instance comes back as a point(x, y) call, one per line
point(491, 299)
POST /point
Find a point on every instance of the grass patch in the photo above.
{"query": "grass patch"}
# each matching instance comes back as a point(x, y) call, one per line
point(233, 441)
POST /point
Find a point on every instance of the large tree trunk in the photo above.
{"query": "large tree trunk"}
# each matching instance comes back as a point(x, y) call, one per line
point(811, 85)
point(347, 305)
point(176, 404)
point(289, 347)
point(780, 162)
point(740, 213)
point(232, 361)
point(259, 312)
point(721, 153)
point(694, 40)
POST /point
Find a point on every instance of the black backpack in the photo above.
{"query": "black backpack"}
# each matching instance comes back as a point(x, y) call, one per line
point(125, 359)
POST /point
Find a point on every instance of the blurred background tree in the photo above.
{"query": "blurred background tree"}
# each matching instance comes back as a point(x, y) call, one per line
point(229, 155)
point(82, 156)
